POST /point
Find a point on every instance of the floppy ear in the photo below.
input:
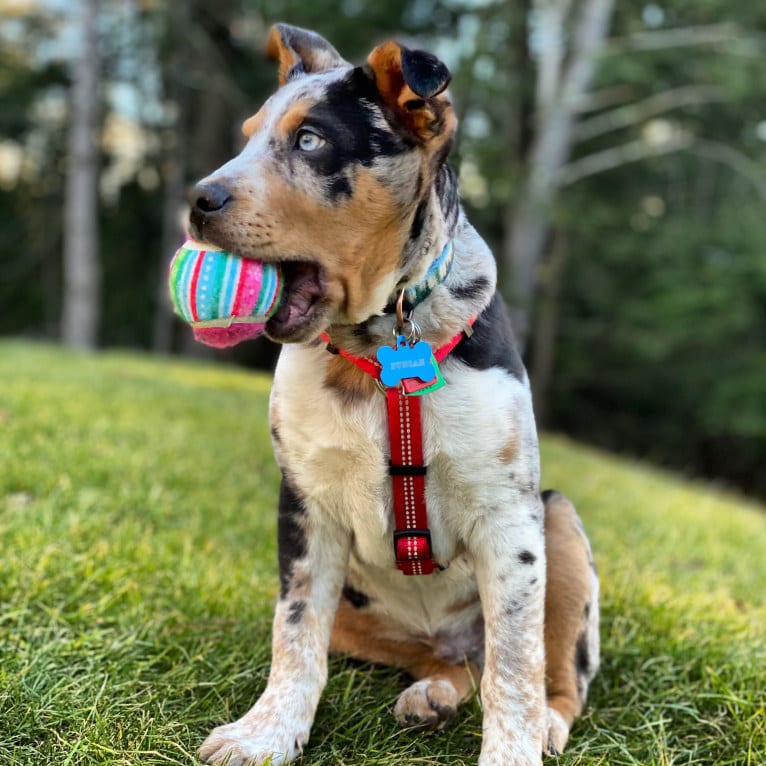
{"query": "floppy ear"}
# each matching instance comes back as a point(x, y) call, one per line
point(411, 84)
point(300, 51)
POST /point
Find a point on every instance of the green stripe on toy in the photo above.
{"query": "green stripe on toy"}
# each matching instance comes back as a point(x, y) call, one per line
point(226, 299)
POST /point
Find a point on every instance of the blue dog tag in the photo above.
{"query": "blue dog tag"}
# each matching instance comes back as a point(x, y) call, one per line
point(405, 361)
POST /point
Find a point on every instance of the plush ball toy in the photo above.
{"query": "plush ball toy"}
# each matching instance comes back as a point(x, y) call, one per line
point(226, 299)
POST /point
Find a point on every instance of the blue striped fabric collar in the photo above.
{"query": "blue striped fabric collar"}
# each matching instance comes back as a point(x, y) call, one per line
point(436, 274)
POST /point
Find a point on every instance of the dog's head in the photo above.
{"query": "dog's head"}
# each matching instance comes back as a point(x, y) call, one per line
point(334, 179)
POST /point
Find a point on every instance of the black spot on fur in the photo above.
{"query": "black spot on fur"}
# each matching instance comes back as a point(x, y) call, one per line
point(349, 120)
point(355, 597)
point(492, 343)
point(548, 494)
point(447, 189)
point(339, 186)
point(417, 222)
point(296, 72)
point(582, 656)
point(275, 434)
point(297, 608)
point(290, 535)
point(470, 290)
point(513, 608)
point(527, 557)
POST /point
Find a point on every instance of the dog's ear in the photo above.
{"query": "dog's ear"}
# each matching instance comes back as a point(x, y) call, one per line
point(300, 51)
point(412, 84)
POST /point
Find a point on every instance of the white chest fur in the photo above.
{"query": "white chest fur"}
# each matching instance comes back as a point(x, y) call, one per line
point(476, 428)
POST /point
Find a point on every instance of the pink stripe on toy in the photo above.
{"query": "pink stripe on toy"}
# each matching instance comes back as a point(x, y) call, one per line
point(194, 283)
point(250, 282)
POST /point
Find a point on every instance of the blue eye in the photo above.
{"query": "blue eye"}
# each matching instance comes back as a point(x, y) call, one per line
point(308, 141)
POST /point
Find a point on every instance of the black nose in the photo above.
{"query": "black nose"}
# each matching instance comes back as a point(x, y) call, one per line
point(207, 202)
point(209, 198)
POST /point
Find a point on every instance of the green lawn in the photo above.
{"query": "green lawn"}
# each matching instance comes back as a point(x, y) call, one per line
point(138, 575)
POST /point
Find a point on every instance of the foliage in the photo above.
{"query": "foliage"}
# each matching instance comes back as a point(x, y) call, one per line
point(139, 572)
point(662, 344)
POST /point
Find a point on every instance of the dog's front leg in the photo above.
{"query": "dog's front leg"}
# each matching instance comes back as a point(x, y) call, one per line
point(510, 569)
point(313, 554)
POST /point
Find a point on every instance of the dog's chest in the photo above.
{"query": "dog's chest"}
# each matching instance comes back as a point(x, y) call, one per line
point(337, 453)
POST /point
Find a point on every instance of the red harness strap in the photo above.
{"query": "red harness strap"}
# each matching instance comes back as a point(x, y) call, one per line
point(412, 537)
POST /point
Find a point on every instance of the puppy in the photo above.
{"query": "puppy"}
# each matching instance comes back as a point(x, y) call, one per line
point(344, 182)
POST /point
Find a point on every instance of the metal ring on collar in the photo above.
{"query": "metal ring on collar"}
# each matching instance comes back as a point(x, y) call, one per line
point(410, 329)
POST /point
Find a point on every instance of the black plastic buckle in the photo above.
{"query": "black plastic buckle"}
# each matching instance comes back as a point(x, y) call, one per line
point(406, 470)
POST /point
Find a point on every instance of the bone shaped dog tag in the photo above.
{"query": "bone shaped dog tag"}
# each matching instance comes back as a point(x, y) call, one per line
point(405, 361)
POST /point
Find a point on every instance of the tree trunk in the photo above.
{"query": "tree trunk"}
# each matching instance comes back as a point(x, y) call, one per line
point(528, 224)
point(174, 170)
point(82, 272)
point(546, 327)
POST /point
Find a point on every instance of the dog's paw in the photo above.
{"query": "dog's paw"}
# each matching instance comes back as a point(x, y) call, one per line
point(558, 733)
point(427, 705)
point(245, 743)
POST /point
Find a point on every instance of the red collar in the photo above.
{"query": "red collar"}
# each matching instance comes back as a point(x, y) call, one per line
point(412, 537)
point(372, 366)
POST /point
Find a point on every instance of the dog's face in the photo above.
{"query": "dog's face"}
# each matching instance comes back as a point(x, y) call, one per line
point(338, 162)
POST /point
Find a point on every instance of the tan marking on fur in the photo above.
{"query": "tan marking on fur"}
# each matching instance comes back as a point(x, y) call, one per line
point(305, 47)
point(338, 236)
point(511, 449)
point(253, 124)
point(289, 656)
point(278, 51)
point(386, 63)
point(363, 636)
point(293, 117)
point(348, 380)
point(566, 595)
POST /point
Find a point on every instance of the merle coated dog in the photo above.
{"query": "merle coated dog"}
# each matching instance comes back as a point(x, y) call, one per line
point(343, 181)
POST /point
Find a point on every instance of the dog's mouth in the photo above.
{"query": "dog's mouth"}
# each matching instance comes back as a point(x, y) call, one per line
point(302, 304)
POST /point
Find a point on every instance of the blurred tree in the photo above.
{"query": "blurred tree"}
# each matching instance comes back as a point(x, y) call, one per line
point(81, 298)
point(31, 142)
point(564, 76)
point(665, 140)
point(661, 347)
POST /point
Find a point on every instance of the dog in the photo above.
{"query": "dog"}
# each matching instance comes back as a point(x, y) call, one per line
point(344, 182)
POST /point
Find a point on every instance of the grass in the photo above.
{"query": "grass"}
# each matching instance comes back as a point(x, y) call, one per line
point(138, 575)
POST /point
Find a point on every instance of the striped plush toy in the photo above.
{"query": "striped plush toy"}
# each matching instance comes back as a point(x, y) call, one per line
point(226, 299)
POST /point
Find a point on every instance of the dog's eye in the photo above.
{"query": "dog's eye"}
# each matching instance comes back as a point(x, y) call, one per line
point(308, 141)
